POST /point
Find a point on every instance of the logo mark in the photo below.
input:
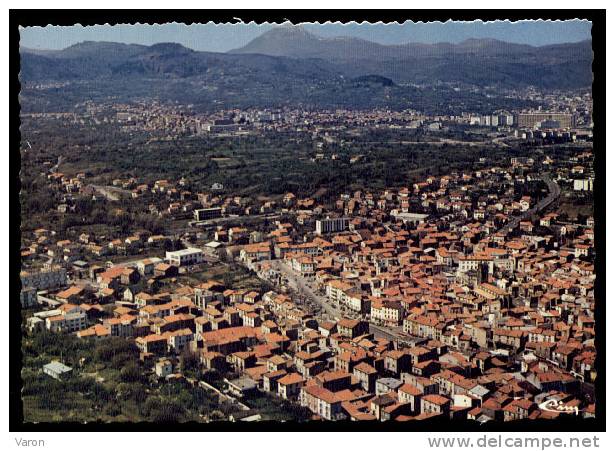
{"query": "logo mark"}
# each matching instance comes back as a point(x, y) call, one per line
point(552, 405)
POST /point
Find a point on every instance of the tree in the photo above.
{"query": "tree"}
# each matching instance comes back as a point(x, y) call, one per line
point(131, 373)
point(188, 361)
point(169, 411)
point(107, 349)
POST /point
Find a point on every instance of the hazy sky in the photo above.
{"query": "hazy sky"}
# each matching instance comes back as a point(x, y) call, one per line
point(221, 38)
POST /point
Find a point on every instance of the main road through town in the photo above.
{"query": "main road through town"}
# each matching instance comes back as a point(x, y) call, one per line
point(554, 193)
point(304, 289)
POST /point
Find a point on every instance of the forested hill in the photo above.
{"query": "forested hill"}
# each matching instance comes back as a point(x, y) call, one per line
point(334, 73)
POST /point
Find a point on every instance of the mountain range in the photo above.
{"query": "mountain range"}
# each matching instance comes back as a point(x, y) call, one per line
point(91, 60)
point(296, 42)
point(289, 64)
point(474, 61)
point(295, 51)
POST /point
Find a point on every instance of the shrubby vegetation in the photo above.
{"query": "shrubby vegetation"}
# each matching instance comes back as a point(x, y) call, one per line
point(108, 383)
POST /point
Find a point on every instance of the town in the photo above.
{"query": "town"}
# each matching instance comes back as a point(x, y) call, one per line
point(465, 295)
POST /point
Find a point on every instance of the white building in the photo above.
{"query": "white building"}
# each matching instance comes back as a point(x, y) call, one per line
point(56, 370)
point(331, 225)
point(390, 312)
point(412, 218)
point(183, 257)
point(179, 339)
point(44, 280)
point(474, 263)
point(584, 185)
point(69, 322)
point(164, 367)
point(146, 266)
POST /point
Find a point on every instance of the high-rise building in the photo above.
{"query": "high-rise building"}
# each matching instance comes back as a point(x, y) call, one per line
point(331, 225)
point(202, 214)
point(531, 120)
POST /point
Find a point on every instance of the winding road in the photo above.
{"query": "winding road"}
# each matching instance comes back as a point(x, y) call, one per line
point(554, 193)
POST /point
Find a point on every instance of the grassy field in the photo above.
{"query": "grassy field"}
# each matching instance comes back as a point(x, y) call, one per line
point(230, 275)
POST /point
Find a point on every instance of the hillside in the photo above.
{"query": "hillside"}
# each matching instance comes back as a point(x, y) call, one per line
point(327, 73)
point(293, 52)
point(474, 61)
point(92, 60)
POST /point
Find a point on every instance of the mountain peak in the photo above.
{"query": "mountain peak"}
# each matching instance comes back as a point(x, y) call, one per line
point(297, 42)
point(169, 48)
point(288, 28)
point(286, 31)
point(93, 45)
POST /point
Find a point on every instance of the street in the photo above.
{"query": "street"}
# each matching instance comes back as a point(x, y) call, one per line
point(306, 290)
point(554, 192)
point(112, 193)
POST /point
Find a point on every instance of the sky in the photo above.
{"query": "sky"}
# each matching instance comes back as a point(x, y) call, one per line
point(225, 37)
